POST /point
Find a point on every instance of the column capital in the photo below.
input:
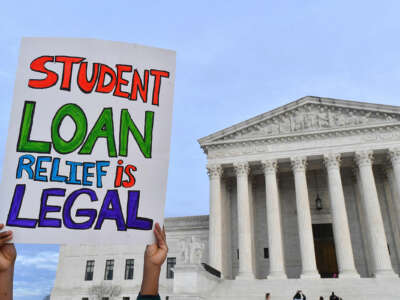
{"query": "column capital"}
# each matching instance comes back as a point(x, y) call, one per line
point(364, 158)
point(214, 171)
point(269, 166)
point(298, 163)
point(242, 168)
point(394, 155)
point(332, 160)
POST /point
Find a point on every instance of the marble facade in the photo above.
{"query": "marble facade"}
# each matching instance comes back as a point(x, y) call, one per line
point(266, 175)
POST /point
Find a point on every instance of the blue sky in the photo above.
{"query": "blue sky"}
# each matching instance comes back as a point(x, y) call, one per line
point(235, 60)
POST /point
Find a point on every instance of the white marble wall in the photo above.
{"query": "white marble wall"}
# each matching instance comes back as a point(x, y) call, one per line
point(70, 283)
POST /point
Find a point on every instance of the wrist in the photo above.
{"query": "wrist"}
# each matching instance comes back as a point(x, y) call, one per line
point(9, 269)
point(152, 267)
point(6, 283)
point(151, 275)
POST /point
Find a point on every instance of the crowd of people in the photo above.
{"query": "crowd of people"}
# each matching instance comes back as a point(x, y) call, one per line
point(300, 296)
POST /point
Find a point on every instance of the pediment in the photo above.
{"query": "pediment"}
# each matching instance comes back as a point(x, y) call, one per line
point(306, 116)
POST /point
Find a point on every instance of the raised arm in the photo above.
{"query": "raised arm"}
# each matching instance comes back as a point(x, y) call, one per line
point(154, 257)
point(7, 260)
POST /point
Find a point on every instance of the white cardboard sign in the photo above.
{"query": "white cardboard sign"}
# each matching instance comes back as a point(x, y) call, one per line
point(88, 142)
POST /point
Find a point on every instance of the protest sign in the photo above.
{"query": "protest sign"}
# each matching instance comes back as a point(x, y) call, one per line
point(88, 143)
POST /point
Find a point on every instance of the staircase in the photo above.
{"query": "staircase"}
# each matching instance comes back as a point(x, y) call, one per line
point(348, 289)
point(198, 282)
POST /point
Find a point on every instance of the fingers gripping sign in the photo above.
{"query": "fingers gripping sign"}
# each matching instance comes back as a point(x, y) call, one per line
point(7, 250)
point(7, 260)
point(154, 257)
point(156, 253)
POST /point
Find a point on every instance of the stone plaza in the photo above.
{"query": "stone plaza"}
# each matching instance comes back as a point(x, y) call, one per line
point(306, 196)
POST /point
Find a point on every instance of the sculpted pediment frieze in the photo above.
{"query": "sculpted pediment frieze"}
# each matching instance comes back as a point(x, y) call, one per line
point(308, 118)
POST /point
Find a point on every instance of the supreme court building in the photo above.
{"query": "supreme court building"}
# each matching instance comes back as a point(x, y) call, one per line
point(306, 196)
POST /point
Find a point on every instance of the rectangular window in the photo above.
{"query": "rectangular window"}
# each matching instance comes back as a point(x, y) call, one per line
point(171, 262)
point(129, 267)
point(85, 298)
point(266, 253)
point(125, 298)
point(108, 274)
point(105, 298)
point(89, 270)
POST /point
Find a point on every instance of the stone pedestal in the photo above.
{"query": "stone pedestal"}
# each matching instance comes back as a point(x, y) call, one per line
point(193, 280)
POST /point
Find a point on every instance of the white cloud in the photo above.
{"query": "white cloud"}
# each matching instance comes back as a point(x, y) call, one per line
point(27, 291)
point(46, 260)
point(31, 288)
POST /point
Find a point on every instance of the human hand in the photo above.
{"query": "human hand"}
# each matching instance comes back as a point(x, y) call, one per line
point(154, 256)
point(156, 253)
point(7, 251)
point(7, 260)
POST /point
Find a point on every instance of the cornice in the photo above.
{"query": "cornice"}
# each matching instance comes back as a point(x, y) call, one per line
point(303, 136)
point(334, 105)
point(186, 223)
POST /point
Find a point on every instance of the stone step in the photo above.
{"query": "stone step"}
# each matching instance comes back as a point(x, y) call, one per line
point(354, 289)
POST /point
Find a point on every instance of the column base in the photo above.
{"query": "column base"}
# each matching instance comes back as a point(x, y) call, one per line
point(245, 276)
point(385, 274)
point(310, 275)
point(349, 274)
point(277, 275)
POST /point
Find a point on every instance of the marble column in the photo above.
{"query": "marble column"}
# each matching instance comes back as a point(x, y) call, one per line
point(275, 243)
point(391, 191)
point(227, 188)
point(365, 242)
point(309, 265)
point(394, 155)
point(340, 224)
point(372, 211)
point(215, 219)
point(246, 270)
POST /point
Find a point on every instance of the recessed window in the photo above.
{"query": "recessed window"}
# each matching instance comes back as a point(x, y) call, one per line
point(125, 298)
point(85, 298)
point(109, 272)
point(171, 262)
point(105, 298)
point(89, 270)
point(266, 253)
point(129, 268)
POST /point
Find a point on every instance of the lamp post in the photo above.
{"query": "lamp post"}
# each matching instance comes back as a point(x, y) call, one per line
point(318, 200)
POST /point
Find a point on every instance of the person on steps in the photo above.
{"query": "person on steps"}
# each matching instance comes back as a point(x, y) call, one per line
point(299, 296)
